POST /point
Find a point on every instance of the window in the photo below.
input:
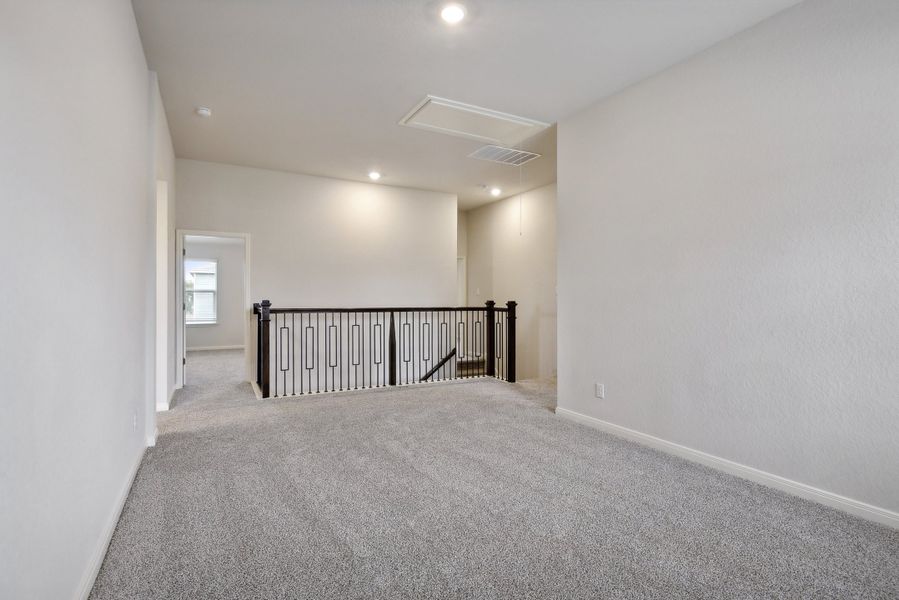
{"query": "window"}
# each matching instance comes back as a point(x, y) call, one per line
point(200, 285)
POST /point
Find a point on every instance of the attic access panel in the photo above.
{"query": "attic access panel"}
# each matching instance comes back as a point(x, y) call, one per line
point(472, 122)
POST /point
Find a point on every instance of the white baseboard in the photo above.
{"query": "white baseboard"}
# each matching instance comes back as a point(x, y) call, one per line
point(96, 561)
point(160, 407)
point(238, 347)
point(849, 505)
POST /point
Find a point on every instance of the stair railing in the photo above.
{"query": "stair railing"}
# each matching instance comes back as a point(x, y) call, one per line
point(312, 350)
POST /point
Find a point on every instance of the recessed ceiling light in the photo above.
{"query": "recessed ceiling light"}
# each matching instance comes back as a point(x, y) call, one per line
point(374, 175)
point(203, 111)
point(495, 192)
point(452, 13)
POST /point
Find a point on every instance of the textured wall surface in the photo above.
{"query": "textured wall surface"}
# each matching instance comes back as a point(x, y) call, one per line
point(76, 258)
point(326, 242)
point(729, 251)
point(512, 256)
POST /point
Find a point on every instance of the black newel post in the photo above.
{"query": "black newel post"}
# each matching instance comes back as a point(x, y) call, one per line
point(391, 364)
point(510, 343)
point(491, 339)
point(258, 343)
point(264, 320)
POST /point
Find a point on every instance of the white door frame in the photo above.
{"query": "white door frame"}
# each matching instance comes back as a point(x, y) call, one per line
point(163, 320)
point(180, 343)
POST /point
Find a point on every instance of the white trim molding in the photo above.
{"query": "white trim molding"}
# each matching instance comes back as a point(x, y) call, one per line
point(163, 322)
point(96, 561)
point(162, 407)
point(180, 337)
point(236, 347)
point(849, 505)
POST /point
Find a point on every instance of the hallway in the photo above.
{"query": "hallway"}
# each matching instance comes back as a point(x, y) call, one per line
point(683, 214)
point(470, 489)
point(215, 379)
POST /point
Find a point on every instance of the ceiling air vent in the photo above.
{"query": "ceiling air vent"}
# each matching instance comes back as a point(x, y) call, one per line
point(506, 156)
point(472, 122)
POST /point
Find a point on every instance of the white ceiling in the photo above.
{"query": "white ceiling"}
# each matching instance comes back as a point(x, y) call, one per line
point(319, 86)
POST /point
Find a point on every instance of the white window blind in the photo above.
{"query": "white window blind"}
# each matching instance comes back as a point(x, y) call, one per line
point(200, 288)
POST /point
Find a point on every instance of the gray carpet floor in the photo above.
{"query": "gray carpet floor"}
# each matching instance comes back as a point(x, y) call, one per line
point(459, 490)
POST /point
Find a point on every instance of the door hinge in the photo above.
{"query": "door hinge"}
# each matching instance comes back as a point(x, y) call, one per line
point(183, 361)
point(183, 251)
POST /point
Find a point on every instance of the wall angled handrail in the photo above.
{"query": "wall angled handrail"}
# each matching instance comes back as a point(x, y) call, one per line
point(313, 350)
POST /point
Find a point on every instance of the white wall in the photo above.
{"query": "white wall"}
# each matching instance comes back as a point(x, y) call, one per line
point(512, 256)
point(462, 234)
point(462, 259)
point(729, 251)
point(164, 170)
point(76, 258)
point(325, 242)
point(229, 327)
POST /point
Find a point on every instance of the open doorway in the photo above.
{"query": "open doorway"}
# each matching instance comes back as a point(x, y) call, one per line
point(213, 285)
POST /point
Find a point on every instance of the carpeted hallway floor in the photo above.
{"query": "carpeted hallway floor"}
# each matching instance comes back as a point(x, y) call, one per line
point(460, 490)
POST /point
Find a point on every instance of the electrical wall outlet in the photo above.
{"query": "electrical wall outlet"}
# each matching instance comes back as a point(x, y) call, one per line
point(600, 390)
